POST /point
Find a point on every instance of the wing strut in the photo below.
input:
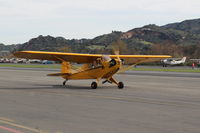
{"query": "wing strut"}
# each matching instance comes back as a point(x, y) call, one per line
point(129, 67)
point(59, 58)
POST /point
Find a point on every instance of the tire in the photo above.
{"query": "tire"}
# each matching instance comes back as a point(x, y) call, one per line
point(120, 85)
point(94, 85)
point(64, 82)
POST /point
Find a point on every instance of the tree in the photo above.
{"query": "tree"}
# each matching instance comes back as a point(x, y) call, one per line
point(170, 49)
point(66, 49)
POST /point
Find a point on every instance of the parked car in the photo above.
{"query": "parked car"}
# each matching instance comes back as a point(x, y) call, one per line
point(48, 62)
point(34, 61)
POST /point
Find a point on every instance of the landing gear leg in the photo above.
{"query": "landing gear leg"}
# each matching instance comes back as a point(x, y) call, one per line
point(119, 84)
point(64, 82)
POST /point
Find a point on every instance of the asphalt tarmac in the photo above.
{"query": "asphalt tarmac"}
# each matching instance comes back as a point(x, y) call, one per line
point(151, 102)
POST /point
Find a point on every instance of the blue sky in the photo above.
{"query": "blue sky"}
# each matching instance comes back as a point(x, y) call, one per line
point(21, 20)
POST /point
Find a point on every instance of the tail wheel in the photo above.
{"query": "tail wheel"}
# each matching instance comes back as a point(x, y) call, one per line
point(94, 85)
point(120, 85)
point(64, 82)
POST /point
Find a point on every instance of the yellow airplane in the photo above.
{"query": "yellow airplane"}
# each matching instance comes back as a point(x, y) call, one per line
point(95, 66)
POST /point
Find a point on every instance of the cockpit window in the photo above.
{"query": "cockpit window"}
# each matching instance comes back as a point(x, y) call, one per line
point(106, 58)
point(96, 63)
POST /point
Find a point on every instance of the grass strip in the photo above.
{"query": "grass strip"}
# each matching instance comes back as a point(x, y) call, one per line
point(57, 66)
point(31, 65)
point(166, 70)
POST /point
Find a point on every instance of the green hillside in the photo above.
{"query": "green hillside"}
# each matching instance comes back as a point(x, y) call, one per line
point(176, 39)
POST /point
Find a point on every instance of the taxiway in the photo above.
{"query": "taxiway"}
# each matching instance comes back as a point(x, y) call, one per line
point(151, 102)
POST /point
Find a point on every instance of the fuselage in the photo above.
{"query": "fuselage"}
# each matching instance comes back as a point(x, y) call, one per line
point(104, 70)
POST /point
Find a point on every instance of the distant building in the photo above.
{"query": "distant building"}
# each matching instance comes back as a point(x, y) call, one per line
point(4, 53)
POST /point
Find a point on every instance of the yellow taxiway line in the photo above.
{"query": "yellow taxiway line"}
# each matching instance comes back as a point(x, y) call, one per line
point(11, 123)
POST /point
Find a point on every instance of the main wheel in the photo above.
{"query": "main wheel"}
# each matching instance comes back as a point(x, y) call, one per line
point(94, 85)
point(120, 85)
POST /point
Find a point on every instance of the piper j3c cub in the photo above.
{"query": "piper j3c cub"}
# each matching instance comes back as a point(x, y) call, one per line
point(95, 66)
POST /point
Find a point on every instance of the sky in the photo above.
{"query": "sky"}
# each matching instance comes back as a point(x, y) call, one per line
point(21, 20)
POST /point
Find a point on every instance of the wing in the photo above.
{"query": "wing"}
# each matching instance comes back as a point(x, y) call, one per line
point(58, 56)
point(135, 59)
point(86, 58)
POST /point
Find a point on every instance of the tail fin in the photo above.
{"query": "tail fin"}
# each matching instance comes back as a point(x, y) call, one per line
point(66, 67)
point(183, 59)
point(65, 70)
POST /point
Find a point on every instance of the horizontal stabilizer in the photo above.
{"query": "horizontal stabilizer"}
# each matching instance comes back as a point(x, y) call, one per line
point(58, 74)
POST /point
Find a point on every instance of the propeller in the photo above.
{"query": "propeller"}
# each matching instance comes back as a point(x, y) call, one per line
point(116, 51)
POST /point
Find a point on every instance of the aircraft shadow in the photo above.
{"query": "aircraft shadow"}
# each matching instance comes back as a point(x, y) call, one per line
point(71, 87)
point(47, 87)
